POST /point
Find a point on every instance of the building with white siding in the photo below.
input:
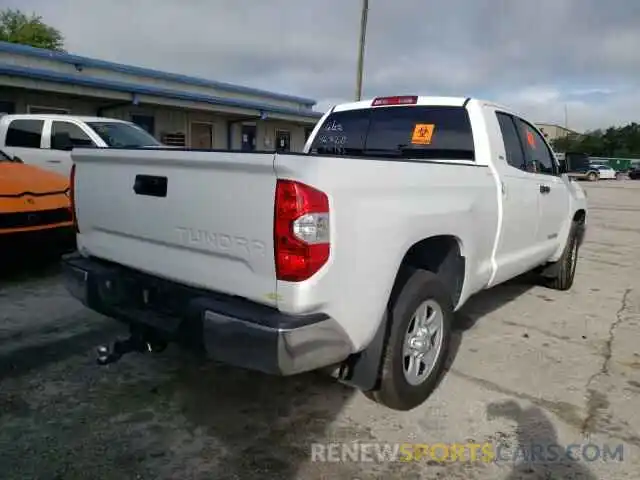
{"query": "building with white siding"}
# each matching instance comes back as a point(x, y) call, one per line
point(177, 109)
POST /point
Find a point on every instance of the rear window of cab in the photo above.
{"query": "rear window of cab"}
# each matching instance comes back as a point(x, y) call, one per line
point(420, 132)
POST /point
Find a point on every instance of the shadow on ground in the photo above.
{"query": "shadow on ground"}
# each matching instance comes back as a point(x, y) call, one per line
point(21, 265)
point(483, 304)
point(538, 453)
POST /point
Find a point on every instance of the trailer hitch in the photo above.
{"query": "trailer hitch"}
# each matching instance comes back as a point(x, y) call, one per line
point(107, 354)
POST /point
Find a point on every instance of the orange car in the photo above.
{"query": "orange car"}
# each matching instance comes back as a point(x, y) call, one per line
point(35, 209)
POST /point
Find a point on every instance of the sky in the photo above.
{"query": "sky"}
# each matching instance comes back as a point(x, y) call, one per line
point(537, 57)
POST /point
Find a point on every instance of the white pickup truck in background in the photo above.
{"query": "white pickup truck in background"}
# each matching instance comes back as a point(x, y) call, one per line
point(46, 140)
point(353, 255)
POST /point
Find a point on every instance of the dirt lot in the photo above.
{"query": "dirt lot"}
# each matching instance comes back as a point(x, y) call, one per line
point(530, 366)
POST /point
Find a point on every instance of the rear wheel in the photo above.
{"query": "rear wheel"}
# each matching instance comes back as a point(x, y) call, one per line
point(566, 265)
point(592, 176)
point(415, 353)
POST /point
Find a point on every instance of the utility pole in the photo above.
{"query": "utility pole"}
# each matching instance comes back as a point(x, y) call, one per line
point(363, 36)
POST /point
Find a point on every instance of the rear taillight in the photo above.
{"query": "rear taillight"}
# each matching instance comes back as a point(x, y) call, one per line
point(398, 100)
point(72, 196)
point(301, 230)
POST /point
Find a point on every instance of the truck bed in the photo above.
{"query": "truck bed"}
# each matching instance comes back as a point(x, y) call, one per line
point(202, 219)
point(214, 229)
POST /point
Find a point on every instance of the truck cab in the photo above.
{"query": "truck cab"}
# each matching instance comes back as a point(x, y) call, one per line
point(46, 140)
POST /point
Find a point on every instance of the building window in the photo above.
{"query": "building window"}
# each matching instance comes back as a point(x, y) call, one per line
point(283, 141)
point(7, 107)
point(24, 133)
point(248, 140)
point(46, 110)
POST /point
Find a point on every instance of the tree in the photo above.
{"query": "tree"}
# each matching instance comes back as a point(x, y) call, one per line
point(17, 27)
point(618, 142)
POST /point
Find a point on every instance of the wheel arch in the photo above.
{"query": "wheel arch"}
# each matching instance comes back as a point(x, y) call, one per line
point(440, 254)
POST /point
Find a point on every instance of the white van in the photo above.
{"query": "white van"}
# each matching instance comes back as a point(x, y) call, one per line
point(46, 140)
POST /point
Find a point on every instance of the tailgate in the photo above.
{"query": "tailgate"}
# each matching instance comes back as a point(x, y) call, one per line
point(211, 227)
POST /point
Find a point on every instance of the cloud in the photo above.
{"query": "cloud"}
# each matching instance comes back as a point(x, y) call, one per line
point(535, 56)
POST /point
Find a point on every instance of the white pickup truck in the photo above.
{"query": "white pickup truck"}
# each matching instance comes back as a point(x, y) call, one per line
point(46, 140)
point(353, 255)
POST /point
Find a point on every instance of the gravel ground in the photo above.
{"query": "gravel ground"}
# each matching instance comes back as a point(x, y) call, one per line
point(529, 365)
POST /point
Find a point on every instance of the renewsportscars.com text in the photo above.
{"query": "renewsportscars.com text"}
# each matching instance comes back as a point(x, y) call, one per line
point(465, 452)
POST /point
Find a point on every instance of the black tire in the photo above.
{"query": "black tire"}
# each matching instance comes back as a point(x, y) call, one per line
point(566, 264)
point(394, 391)
point(592, 176)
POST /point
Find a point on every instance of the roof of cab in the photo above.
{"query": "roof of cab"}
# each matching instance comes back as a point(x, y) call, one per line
point(422, 100)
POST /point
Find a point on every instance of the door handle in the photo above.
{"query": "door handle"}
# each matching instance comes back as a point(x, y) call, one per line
point(545, 188)
point(53, 161)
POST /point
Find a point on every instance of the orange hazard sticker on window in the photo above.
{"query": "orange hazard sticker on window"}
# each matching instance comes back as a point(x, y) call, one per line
point(531, 139)
point(422, 133)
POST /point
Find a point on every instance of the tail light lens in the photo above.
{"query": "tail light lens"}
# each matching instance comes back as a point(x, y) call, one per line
point(72, 196)
point(301, 230)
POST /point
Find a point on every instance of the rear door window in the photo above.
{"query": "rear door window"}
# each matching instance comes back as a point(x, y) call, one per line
point(24, 133)
point(78, 137)
point(429, 132)
point(511, 139)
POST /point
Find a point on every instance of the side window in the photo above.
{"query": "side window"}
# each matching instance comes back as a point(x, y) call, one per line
point(76, 135)
point(512, 144)
point(24, 133)
point(539, 157)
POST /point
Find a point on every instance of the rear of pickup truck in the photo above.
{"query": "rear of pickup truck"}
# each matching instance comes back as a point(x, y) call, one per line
point(286, 263)
point(192, 244)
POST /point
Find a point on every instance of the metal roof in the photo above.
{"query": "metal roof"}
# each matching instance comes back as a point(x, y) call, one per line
point(78, 60)
point(127, 87)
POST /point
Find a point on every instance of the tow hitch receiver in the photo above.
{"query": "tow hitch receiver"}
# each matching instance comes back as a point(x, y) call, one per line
point(135, 343)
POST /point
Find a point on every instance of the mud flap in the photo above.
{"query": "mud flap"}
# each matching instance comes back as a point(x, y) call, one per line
point(363, 369)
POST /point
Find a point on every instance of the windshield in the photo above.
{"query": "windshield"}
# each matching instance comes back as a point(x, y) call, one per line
point(123, 135)
point(417, 132)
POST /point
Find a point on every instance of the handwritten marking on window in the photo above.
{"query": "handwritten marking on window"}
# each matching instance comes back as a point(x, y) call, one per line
point(333, 126)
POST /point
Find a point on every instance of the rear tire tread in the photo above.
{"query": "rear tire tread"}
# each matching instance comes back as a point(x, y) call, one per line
point(566, 273)
point(393, 391)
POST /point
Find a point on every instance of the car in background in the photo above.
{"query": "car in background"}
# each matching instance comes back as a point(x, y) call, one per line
point(634, 173)
point(46, 140)
point(605, 172)
point(35, 210)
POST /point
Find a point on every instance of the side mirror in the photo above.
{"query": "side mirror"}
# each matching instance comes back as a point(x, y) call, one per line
point(61, 141)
